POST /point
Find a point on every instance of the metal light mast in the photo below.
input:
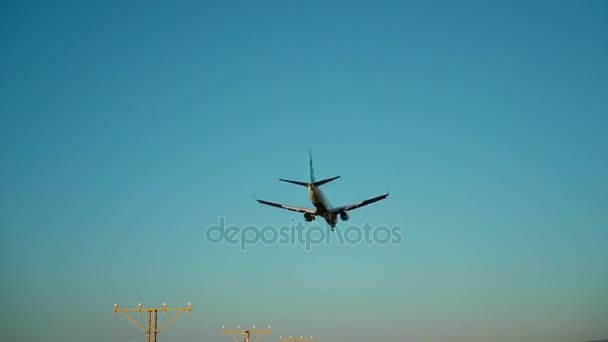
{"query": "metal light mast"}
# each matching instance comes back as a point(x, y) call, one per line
point(257, 333)
point(296, 339)
point(152, 328)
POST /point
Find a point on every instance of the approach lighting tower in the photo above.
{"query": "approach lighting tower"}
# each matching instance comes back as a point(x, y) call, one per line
point(246, 334)
point(296, 339)
point(151, 328)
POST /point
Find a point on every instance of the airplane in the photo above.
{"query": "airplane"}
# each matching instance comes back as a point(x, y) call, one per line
point(322, 207)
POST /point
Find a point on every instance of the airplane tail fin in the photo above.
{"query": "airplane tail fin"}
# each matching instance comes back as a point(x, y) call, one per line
point(312, 176)
point(310, 168)
point(312, 173)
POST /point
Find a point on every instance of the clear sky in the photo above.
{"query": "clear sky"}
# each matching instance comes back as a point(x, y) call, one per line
point(129, 127)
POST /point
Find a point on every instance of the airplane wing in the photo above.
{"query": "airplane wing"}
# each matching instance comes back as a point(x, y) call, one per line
point(360, 204)
point(286, 207)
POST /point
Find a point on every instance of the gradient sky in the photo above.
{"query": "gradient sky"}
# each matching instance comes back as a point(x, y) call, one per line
point(129, 127)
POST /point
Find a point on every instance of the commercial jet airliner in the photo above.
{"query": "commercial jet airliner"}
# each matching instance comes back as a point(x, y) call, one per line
point(322, 206)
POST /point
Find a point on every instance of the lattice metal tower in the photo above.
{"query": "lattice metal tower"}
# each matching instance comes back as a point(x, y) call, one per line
point(152, 328)
point(245, 334)
point(296, 339)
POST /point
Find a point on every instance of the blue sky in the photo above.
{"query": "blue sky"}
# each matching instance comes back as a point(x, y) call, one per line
point(128, 128)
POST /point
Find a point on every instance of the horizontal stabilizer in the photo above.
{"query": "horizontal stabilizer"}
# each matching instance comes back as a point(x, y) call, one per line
point(294, 182)
point(323, 181)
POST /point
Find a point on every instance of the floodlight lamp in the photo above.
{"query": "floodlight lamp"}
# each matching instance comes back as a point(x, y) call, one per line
point(115, 305)
point(139, 305)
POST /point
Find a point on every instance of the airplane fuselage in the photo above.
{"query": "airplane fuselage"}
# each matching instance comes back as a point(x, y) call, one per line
point(321, 203)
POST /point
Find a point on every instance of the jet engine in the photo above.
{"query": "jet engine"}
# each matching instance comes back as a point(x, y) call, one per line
point(309, 217)
point(344, 216)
